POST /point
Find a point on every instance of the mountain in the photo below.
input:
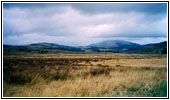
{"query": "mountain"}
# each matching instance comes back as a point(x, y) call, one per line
point(157, 48)
point(53, 46)
point(115, 45)
point(39, 48)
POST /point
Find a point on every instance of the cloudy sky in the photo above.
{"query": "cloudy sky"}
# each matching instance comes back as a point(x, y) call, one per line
point(80, 24)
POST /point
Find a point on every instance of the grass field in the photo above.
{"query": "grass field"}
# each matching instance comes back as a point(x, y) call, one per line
point(85, 75)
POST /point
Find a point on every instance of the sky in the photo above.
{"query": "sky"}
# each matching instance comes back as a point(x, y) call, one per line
point(80, 24)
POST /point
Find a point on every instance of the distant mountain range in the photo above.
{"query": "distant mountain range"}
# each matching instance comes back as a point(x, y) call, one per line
point(105, 46)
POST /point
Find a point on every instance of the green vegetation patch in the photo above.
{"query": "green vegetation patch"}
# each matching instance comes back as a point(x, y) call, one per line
point(158, 90)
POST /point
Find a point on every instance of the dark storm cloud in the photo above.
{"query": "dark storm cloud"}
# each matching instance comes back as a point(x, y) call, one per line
point(31, 5)
point(150, 8)
point(67, 23)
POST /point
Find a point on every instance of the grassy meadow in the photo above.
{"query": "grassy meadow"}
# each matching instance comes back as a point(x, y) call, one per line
point(85, 75)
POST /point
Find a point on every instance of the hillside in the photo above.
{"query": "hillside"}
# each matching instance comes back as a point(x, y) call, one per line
point(158, 48)
point(38, 48)
point(115, 45)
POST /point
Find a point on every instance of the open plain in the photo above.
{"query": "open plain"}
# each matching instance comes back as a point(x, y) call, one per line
point(85, 75)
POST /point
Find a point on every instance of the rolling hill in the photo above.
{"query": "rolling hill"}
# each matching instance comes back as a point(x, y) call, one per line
point(157, 48)
point(115, 45)
point(39, 48)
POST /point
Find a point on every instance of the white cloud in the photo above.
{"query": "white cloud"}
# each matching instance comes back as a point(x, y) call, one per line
point(38, 38)
point(65, 25)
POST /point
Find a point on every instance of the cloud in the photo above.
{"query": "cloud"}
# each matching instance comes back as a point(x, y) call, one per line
point(71, 24)
point(94, 8)
point(38, 38)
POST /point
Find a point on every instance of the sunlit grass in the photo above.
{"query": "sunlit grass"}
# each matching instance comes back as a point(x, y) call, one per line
point(84, 76)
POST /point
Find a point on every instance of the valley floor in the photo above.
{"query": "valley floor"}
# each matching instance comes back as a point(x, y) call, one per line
point(85, 75)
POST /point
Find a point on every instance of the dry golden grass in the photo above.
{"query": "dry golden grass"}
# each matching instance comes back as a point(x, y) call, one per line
point(77, 76)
